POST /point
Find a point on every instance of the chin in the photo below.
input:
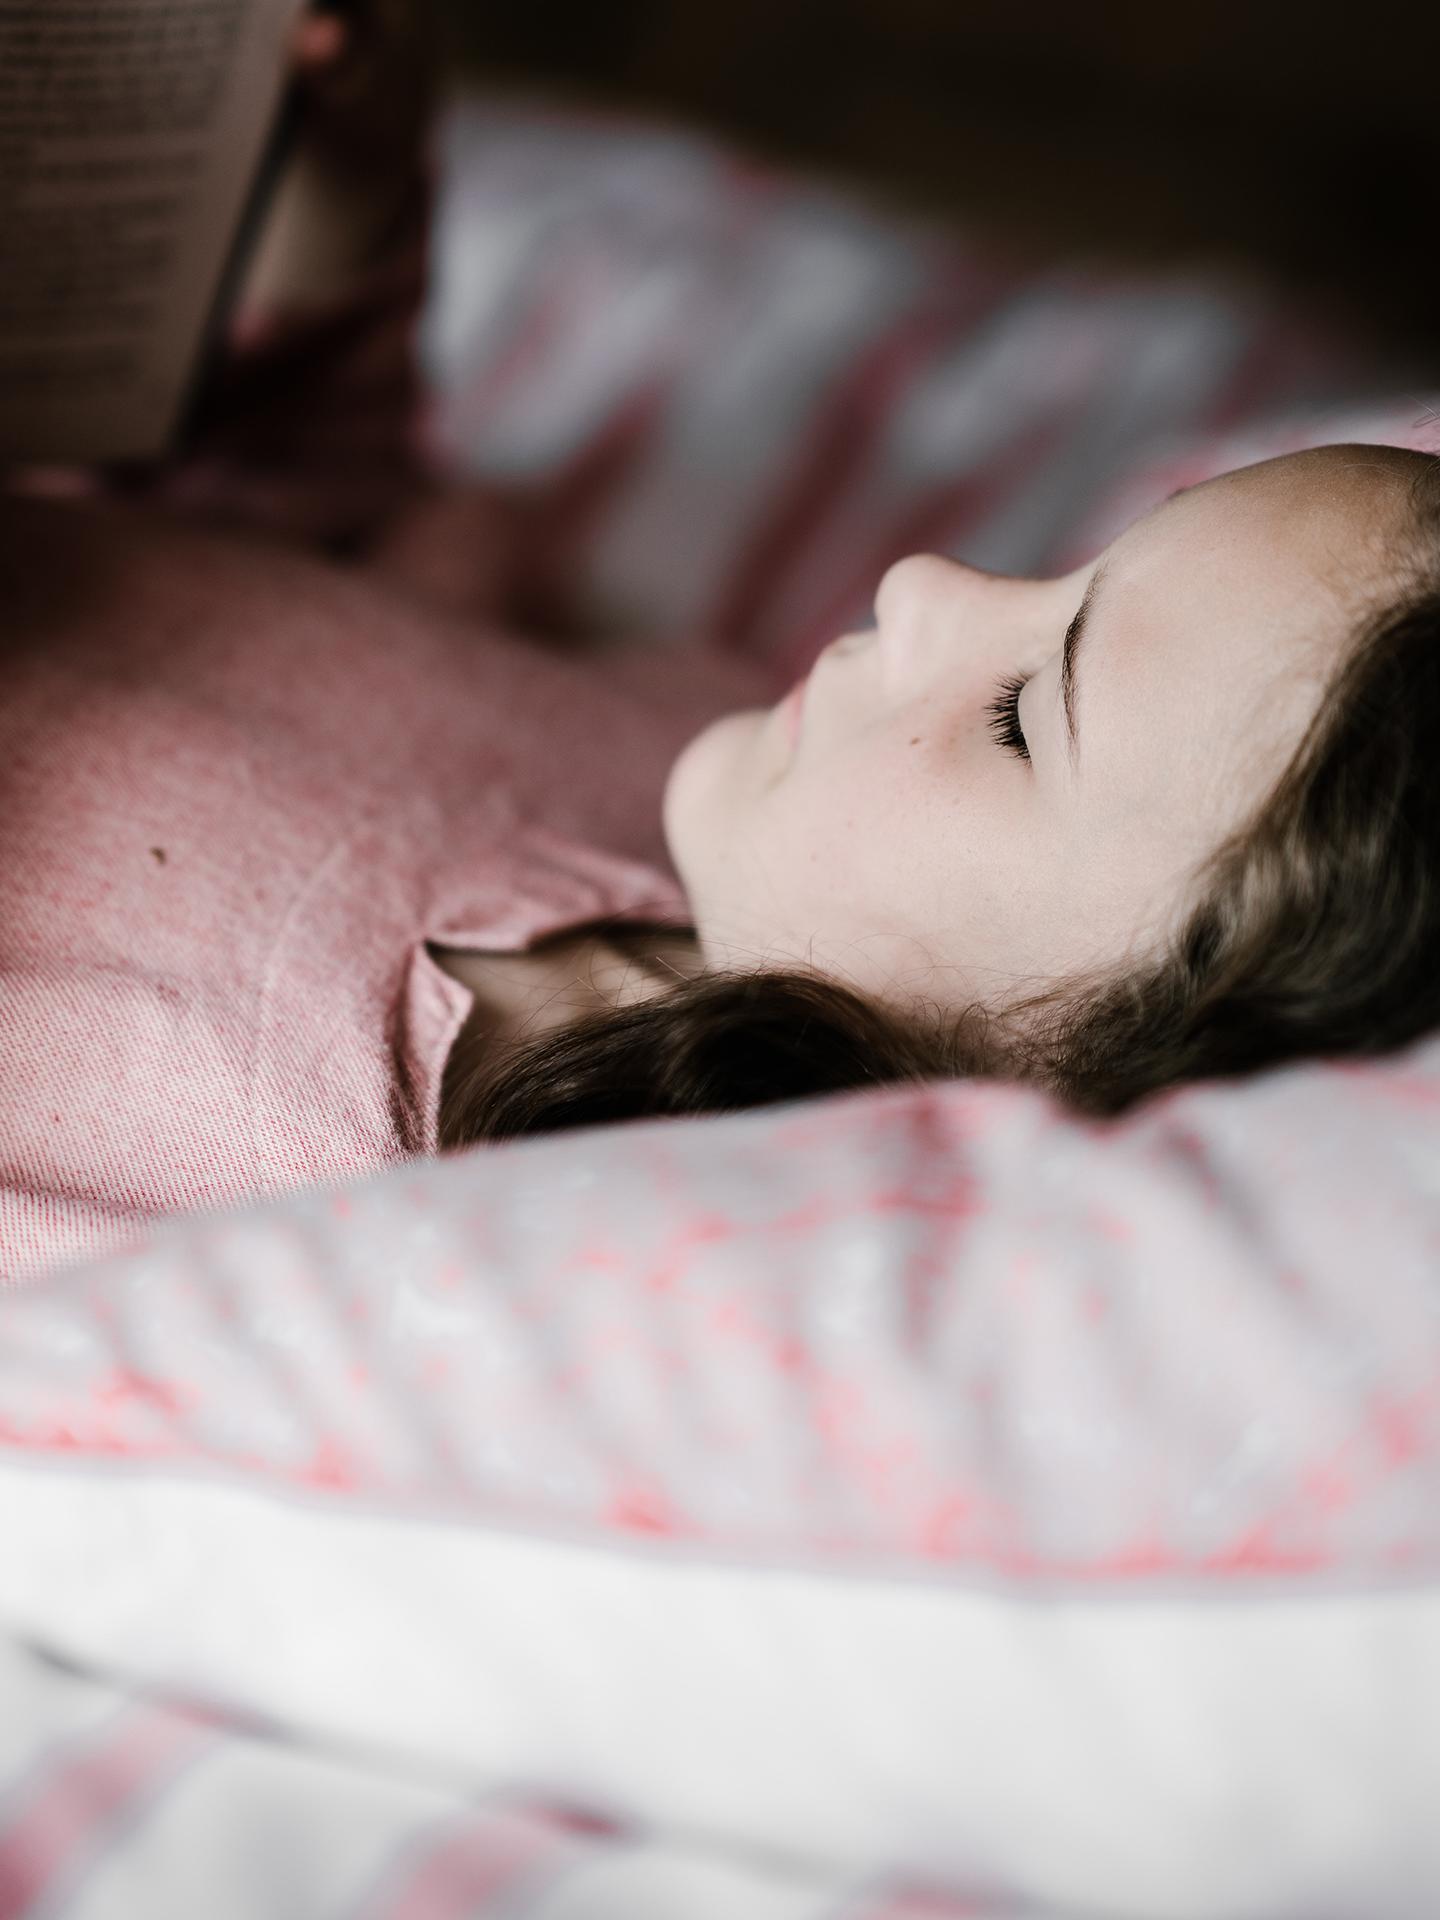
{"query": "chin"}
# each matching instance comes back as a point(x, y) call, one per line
point(701, 790)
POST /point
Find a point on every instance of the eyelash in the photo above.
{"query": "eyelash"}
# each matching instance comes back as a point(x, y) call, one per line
point(1004, 716)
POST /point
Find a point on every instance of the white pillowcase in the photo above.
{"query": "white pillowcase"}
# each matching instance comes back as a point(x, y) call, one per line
point(919, 1479)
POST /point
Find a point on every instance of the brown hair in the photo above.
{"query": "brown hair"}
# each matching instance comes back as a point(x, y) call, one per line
point(1315, 932)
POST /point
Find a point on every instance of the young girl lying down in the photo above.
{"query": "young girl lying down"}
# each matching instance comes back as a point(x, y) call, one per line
point(305, 868)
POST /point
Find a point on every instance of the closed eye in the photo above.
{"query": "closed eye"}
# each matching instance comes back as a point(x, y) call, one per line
point(1003, 714)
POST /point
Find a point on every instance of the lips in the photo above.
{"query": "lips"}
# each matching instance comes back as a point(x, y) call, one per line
point(794, 701)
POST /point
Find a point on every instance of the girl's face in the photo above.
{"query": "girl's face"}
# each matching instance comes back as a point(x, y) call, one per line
point(925, 837)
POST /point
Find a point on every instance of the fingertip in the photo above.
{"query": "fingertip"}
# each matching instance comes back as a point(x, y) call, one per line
point(319, 40)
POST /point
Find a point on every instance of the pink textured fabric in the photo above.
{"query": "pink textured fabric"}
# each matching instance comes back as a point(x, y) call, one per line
point(242, 782)
point(239, 789)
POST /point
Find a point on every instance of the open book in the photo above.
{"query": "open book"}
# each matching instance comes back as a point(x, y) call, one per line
point(132, 140)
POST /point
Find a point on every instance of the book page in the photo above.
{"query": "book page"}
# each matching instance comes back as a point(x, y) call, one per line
point(131, 133)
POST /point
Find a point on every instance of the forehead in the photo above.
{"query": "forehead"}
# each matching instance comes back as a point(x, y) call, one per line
point(1321, 520)
point(1225, 611)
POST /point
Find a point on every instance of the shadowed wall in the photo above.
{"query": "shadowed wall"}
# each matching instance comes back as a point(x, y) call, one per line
point(1298, 141)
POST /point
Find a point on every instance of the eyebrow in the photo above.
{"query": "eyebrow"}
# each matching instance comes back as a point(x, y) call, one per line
point(1074, 634)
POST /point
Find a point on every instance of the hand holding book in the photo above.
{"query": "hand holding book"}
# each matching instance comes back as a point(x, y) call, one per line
point(131, 142)
point(358, 110)
point(365, 68)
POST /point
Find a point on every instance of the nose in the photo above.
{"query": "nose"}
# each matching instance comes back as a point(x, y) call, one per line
point(934, 615)
point(912, 584)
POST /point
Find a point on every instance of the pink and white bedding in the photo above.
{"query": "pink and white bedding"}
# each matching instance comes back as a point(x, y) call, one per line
point(906, 1492)
point(894, 1507)
point(740, 396)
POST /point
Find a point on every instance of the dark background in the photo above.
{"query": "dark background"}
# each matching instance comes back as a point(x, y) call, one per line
point(1302, 143)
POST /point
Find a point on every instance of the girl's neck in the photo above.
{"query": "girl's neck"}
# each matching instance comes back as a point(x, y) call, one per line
point(521, 995)
point(663, 955)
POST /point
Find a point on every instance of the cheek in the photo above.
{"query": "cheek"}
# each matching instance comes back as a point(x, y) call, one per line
point(895, 832)
point(859, 832)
